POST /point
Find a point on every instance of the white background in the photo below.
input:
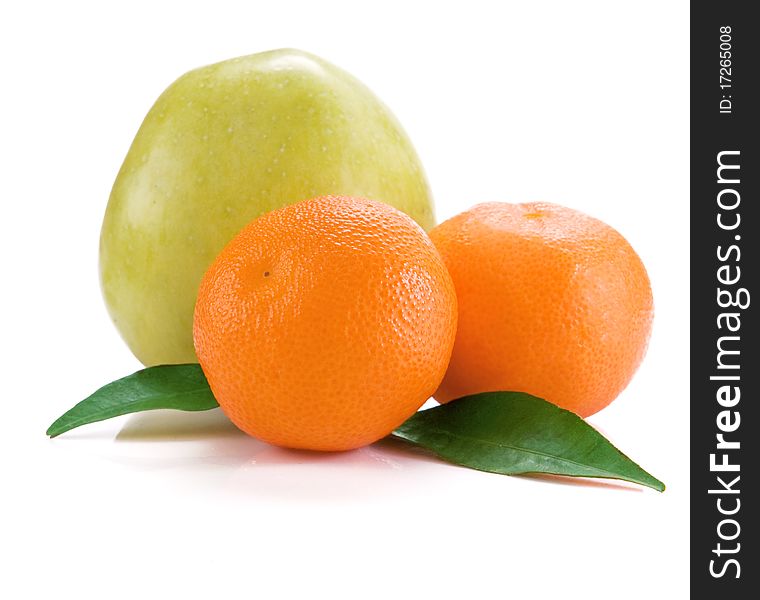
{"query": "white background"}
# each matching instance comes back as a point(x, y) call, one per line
point(584, 104)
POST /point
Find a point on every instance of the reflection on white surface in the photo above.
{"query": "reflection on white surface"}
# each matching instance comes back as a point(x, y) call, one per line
point(165, 425)
point(204, 453)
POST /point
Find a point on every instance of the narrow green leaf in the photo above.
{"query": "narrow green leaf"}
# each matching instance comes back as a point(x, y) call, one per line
point(181, 387)
point(513, 433)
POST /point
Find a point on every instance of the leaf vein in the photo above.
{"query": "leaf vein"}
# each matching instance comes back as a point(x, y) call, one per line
point(520, 449)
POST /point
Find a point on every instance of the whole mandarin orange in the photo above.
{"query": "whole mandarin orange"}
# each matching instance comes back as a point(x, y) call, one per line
point(325, 324)
point(552, 302)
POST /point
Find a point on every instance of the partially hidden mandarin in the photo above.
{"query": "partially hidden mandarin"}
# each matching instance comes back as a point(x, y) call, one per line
point(552, 302)
point(326, 324)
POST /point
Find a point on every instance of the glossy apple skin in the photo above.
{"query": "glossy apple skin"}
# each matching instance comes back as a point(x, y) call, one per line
point(222, 145)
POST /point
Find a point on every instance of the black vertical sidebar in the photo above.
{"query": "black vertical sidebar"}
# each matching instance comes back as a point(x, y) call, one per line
point(725, 301)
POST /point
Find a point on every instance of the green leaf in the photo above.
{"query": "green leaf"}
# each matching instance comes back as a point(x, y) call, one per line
point(181, 387)
point(513, 433)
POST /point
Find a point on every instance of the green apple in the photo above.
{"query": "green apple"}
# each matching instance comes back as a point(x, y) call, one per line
point(222, 145)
